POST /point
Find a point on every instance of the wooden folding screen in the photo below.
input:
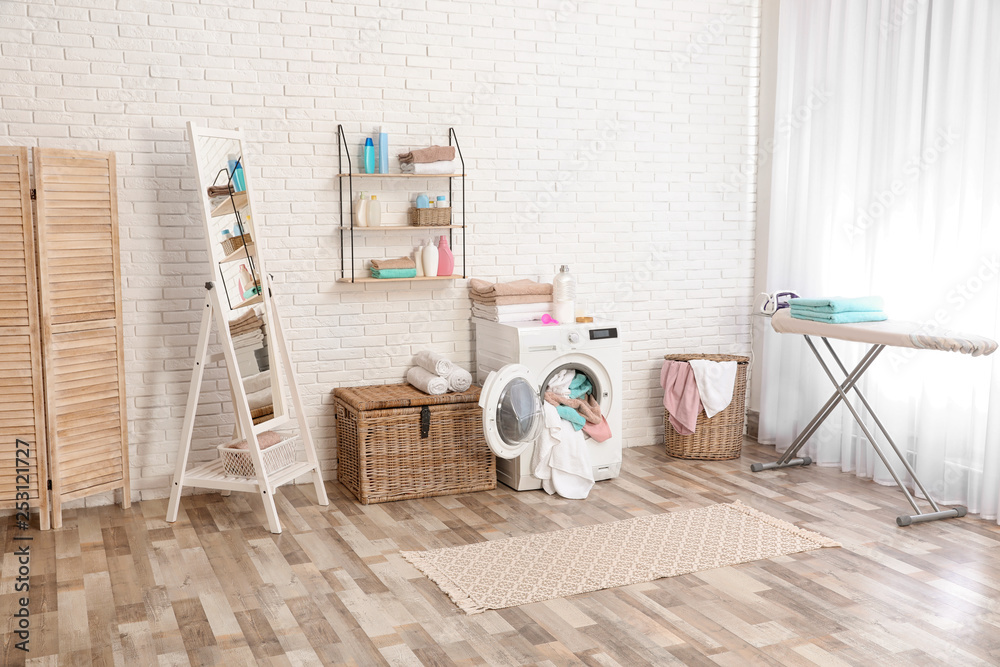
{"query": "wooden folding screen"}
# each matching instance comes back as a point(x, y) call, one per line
point(81, 317)
point(23, 470)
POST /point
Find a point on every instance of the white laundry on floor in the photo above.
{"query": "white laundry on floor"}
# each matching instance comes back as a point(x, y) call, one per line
point(560, 458)
point(560, 382)
point(715, 380)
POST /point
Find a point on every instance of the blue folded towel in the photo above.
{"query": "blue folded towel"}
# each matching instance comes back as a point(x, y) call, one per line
point(840, 318)
point(394, 273)
point(840, 305)
point(572, 416)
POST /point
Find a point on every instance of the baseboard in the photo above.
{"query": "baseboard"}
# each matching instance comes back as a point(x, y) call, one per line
point(753, 423)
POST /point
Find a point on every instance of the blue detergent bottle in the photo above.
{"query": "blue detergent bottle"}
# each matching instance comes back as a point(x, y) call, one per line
point(369, 156)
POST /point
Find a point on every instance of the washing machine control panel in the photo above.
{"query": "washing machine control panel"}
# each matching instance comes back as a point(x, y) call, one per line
point(574, 337)
point(602, 334)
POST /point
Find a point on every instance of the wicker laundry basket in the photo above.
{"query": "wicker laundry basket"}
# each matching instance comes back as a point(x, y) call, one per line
point(395, 442)
point(721, 437)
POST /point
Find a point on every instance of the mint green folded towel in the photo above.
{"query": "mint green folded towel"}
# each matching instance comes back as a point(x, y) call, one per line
point(572, 416)
point(840, 318)
point(394, 273)
point(840, 305)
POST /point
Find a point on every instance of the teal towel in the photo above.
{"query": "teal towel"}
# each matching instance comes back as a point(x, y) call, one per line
point(839, 305)
point(841, 318)
point(572, 416)
point(580, 386)
point(394, 273)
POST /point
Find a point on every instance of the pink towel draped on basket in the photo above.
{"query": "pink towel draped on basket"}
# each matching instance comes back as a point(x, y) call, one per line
point(680, 395)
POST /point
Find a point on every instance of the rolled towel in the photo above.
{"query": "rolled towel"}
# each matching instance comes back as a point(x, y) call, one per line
point(433, 362)
point(449, 167)
point(426, 381)
point(398, 263)
point(429, 154)
point(459, 379)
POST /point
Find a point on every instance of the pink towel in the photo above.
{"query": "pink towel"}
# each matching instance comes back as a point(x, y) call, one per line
point(599, 432)
point(680, 395)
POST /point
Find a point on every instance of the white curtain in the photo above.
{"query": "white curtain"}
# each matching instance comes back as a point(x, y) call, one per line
point(886, 181)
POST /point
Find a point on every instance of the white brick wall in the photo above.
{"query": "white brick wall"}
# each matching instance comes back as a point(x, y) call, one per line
point(600, 135)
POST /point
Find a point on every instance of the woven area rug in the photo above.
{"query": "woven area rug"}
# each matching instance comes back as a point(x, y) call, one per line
point(532, 568)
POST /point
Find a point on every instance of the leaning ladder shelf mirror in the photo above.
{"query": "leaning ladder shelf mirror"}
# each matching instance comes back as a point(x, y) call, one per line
point(347, 230)
point(254, 348)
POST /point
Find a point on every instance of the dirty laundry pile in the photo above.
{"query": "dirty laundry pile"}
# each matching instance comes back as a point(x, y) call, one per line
point(571, 412)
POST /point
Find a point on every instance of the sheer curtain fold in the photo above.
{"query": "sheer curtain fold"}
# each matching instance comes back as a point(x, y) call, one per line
point(886, 180)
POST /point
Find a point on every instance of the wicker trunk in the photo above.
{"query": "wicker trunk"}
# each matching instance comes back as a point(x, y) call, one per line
point(395, 442)
point(721, 437)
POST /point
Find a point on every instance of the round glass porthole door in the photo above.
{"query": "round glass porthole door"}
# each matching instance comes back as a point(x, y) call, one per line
point(512, 411)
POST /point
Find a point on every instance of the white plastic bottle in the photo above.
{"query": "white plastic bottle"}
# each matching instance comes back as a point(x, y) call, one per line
point(430, 259)
point(563, 295)
point(361, 211)
point(374, 213)
point(418, 259)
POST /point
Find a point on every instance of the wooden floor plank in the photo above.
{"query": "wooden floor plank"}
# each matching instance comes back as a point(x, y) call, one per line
point(124, 587)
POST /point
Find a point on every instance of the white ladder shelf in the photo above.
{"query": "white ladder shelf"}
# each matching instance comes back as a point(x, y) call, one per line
point(208, 147)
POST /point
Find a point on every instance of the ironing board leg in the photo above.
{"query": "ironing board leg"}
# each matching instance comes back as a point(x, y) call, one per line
point(787, 459)
point(902, 519)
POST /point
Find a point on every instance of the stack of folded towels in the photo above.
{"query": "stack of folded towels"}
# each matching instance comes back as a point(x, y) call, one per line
point(430, 160)
point(247, 332)
point(518, 301)
point(435, 374)
point(401, 267)
point(838, 310)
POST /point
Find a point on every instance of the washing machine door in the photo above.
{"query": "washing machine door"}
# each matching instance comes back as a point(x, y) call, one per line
point(512, 410)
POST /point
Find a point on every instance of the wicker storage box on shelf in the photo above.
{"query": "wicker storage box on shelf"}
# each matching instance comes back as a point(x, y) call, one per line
point(395, 442)
point(721, 437)
point(430, 217)
point(232, 244)
point(238, 462)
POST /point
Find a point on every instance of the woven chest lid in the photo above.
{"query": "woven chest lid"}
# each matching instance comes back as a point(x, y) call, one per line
point(385, 396)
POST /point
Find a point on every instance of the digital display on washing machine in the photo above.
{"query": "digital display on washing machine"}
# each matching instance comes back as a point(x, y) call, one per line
point(600, 334)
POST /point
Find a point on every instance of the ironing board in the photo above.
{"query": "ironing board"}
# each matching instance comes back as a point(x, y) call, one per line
point(879, 335)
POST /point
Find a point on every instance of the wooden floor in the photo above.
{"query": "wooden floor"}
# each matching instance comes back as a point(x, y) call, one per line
point(126, 588)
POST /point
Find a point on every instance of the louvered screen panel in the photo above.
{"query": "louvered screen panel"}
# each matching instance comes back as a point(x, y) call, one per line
point(80, 291)
point(21, 402)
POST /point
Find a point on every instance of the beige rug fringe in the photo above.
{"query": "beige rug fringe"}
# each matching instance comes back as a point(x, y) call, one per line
point(463, 600)
point(821, 540)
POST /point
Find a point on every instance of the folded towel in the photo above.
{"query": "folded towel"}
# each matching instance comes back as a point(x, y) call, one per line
point(572, 416)
point(256, 382)
point(427, 382)
point(715, 380)
point(513, 299)
point(248, 319)
point(507, 318)
point(432, 362)
point(220, 190)
point(513, 308)
point(515, 288)
point(429, 154)
point(264, 440)
point(459, 379)
point(840, 318)
point(840, 305)
point(447, 167)
point(823, 311)
point(394, 273)
point(259, 399)
point(259, 328)
point(399, 263)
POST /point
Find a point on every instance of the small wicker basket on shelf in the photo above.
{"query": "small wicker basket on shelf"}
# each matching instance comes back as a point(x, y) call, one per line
point(239, 463)
point(430, 217)
point(721, 437)
point(232, 244)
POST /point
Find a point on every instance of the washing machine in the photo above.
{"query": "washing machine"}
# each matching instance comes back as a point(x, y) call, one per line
point(514, 363)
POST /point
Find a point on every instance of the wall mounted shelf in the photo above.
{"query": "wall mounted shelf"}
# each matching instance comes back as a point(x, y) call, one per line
point(347, 230)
